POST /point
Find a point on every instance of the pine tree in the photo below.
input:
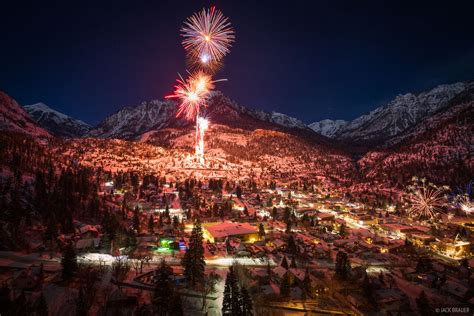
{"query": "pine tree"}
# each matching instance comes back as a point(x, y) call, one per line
point(69, 262)
point(193, 260)
point(285, 288)
point(136, 219)
point(227, 300)
point(232, 302)
point(163, 290)
point(284, 263)
point(291, 245)
point(293, 263)
point(246, 303)
point(342, 265)
point(261, 230)
point(342, 230)
point(151, 224)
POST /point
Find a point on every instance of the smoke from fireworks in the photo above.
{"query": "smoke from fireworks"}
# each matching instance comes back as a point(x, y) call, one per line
point(426, 201)
point(208, 36)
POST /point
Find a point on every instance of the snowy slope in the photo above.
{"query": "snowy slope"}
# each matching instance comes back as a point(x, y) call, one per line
point(133, 121)
point(55, 122)
point(14, 118)
point(392, 119)
point(328, 128)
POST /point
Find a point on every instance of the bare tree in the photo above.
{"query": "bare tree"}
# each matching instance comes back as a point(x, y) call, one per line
point(120, 269)
point(209, 287)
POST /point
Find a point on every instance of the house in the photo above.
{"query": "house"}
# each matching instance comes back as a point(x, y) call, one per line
point(89, 243)
point(220, 232)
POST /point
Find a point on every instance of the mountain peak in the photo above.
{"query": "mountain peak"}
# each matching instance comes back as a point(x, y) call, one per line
point(392, 119)
point(57, 123)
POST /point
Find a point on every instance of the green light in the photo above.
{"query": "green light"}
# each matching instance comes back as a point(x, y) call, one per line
point(165, 243)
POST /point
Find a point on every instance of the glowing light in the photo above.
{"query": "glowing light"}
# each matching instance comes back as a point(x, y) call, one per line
point(192, 94)
point(202, 125)
point(207, 32)
point(426, 201)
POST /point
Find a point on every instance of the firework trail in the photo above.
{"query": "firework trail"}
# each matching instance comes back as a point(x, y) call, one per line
point(425, 200)
point(207, 39)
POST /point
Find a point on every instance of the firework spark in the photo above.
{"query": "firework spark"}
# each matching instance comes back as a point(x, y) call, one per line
point(462, 198)
point(192, 93)
point(464, 203)
point(426, 201)
point(207, 36)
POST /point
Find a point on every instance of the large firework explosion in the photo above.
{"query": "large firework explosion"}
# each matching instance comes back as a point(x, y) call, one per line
point(207, 39)
point(425, 200)
point(207, 36)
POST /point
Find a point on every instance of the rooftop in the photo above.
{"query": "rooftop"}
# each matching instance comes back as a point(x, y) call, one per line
point(230, 229)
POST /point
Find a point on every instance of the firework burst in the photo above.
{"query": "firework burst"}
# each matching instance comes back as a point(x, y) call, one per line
point(425, 200)
point(192, 94)
point(462, 198)
point(208, 36)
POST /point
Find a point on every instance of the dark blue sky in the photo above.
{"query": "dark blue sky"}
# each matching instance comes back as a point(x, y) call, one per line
point(332, 59)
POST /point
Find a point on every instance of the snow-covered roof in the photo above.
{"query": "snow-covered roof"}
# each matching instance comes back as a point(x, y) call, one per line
point(230, 229)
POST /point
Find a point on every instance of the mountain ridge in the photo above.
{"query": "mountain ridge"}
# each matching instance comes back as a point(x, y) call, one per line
point(57, 123)
point(395, 117)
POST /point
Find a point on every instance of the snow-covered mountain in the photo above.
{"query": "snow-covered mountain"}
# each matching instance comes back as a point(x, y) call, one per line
point(133, 121)
point(55, 122)
point(328, 128)
point(14, 118)
point(392, 119)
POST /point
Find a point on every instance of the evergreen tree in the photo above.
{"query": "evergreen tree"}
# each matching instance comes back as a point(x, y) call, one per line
point(246, 303)
point(342, 230)
point(151, 224)
point(285, 288)
point(293, 263)
point(227, 300)
point(238, 192)
point(261, 230)
point(291, 245)
point(136, 219)
point(193, 260)
point(342, 265)
point(69, 261)
point(163, 290)
point(284, 263)
point(232, 302)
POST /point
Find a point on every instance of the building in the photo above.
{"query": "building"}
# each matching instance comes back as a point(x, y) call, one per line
point(220, 232)
point(456, 249)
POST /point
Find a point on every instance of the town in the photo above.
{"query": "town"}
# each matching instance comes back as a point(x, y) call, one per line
point(276, 248)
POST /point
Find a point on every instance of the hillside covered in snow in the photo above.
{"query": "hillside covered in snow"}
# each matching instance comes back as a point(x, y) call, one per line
point(13, 118)
point(392, 119)
point(55, 122)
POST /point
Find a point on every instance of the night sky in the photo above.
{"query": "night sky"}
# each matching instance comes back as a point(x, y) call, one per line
point(336, 59)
